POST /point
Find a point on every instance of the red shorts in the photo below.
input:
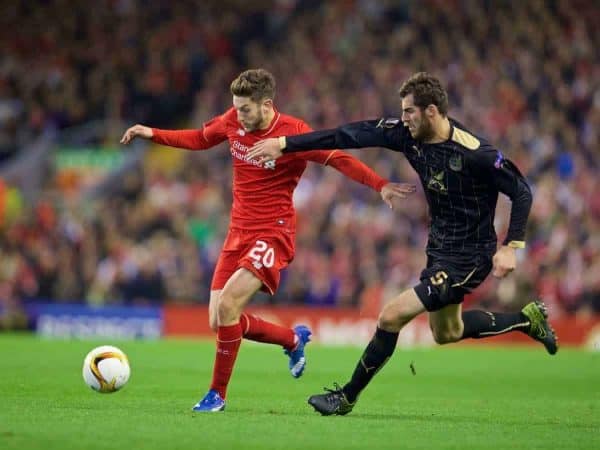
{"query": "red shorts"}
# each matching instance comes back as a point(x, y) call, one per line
point(263, 252)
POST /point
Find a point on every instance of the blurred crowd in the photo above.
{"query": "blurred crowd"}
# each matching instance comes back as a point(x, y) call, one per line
point(524, 74)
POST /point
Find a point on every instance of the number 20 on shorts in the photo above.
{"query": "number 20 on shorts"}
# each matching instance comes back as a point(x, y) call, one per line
point(263, 254)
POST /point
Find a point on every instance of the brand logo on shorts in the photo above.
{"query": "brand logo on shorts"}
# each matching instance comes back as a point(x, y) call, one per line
point(241, 132)
point(257, 265)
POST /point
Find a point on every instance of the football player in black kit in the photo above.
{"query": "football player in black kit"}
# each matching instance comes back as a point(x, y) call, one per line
point(462, 175)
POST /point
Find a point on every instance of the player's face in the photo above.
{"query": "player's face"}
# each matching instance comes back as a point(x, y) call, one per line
point(249, 113)
point(416, 120)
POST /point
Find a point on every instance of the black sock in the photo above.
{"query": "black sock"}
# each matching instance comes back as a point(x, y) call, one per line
point(481, 324)
point(374, 357)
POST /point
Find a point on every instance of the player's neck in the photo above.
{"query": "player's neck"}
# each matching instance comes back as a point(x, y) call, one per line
point(268, 118)
point(441, 131)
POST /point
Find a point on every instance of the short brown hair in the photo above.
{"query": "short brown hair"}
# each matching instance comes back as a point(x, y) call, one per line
point(258, 84)
point(426, 90)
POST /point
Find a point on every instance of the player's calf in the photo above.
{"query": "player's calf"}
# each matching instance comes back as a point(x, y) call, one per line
point(446, 336)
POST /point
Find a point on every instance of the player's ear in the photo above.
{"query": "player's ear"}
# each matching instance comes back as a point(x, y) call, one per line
point(431, 111)
point(267, 103)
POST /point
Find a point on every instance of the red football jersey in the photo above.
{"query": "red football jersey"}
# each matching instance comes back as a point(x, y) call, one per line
point(262, 195)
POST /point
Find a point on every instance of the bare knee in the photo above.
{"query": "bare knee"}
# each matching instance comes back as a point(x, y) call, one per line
point(213, 314)
point(228, 309)
point(213, 322)
point(393, 319)
point(446, 336)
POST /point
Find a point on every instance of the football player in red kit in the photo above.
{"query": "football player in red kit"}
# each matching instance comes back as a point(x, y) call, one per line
point(261, 236)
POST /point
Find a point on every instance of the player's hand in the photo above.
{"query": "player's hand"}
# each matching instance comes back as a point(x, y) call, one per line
point(396, 190)
point(505, 261)
point(135, 131)
point(265, 151)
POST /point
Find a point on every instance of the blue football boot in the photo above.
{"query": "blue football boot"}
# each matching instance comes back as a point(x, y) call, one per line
point(212, 402)
point(297, 359)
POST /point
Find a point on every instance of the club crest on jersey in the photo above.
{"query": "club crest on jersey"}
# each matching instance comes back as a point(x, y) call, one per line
point(456, 162)
point(436, 182)
point(388, 123)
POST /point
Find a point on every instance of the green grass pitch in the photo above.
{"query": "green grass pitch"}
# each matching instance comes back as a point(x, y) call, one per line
point(462, 397)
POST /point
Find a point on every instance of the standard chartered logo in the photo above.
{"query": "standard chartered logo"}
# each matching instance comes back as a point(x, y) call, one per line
point(239, 151)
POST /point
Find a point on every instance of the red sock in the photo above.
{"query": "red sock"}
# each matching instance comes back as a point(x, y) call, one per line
point(229, 339)
point(257, 329)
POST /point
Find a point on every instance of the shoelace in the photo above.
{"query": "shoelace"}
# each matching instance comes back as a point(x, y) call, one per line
point(208, 400)
point(335, 393)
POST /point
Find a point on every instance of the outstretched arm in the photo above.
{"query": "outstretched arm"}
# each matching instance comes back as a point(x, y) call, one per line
point(387, 133)
point(211, 134)
point(187, 139)
point(361, 173)
point(368, 133)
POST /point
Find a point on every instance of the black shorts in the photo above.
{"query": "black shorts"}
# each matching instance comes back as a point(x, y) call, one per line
point(449, 277)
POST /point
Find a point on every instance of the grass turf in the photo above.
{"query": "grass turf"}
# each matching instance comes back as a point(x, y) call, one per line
point(461, 397)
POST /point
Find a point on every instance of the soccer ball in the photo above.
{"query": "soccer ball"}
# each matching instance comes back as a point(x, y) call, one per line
point(106, 369)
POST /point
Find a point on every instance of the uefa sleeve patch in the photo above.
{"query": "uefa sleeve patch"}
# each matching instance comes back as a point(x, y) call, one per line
point(499, 160)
